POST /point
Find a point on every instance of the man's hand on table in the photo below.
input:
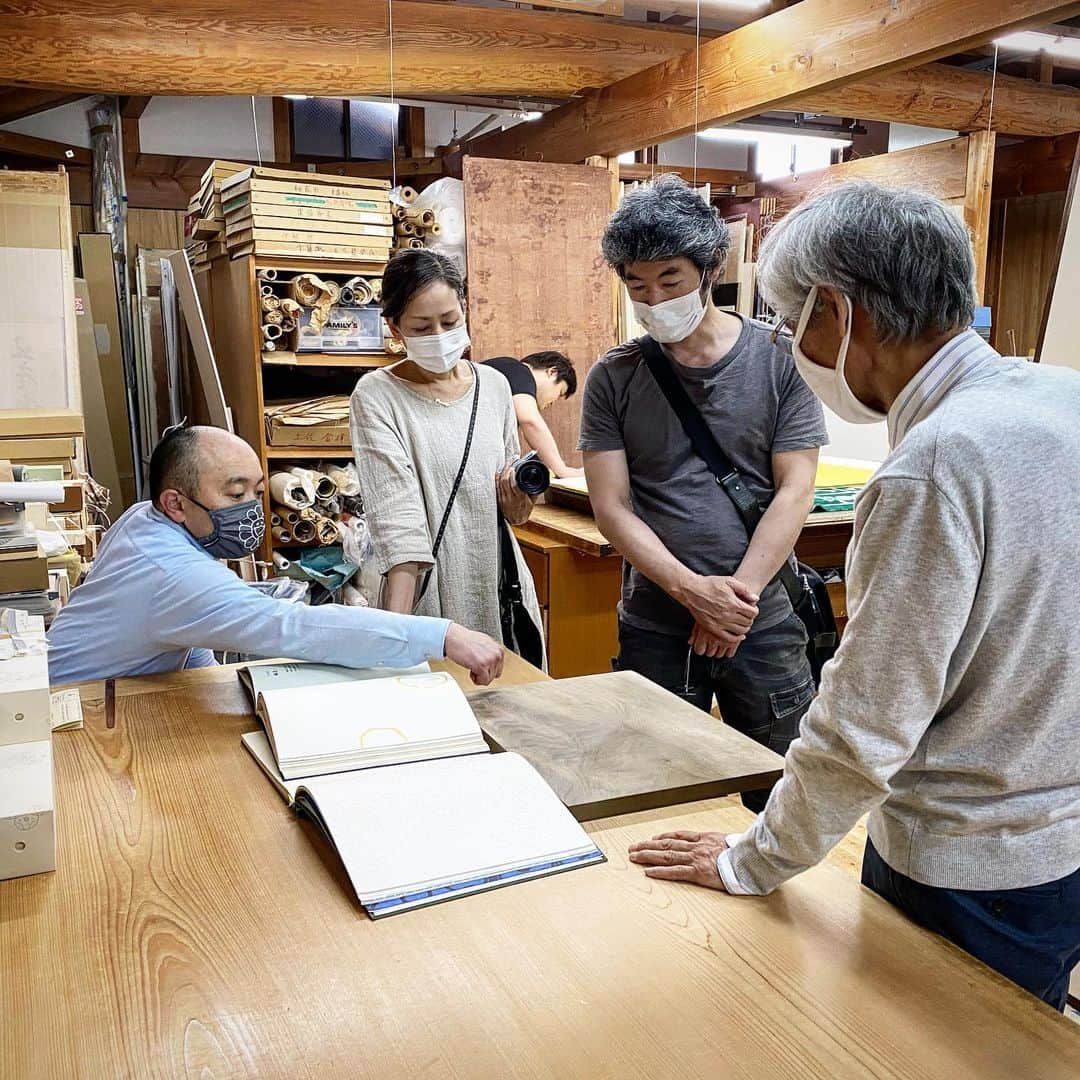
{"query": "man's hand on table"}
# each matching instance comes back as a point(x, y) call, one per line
point(682, 856)
point(483, 656)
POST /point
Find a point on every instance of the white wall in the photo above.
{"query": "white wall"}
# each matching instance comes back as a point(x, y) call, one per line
point(66, 124)
point(863, 442)
point(711, 154)
point(902, 136)
point(220, 127)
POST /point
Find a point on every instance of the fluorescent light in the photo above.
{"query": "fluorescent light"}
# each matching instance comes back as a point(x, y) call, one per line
point(764, 138)
point(295, 97)
point(1031, 41)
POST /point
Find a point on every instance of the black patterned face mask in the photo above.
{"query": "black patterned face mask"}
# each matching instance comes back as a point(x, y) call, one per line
point(238, 530)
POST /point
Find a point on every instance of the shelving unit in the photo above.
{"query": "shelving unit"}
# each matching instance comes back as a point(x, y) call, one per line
point(229, 292)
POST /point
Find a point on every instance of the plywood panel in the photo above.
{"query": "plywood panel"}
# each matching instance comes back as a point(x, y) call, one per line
point(537, 279)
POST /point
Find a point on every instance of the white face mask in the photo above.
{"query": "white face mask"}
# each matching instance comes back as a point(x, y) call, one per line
point(438, 353)
point(830, 384)
point(672, 320)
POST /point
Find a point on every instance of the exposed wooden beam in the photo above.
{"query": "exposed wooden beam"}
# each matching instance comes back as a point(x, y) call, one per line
point(282, 129)
point(938, 95)
point(248, 47)
point(1034, 167)
point(720, 177)
point(17, 102)
point(814, 46)
point(30, 146)
point(980, 174)
point(413, 133)
point(131, 108)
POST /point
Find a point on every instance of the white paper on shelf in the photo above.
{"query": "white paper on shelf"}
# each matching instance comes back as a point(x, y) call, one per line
point(31, 491)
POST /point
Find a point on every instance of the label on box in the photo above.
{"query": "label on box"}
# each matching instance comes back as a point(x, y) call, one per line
point(347, 330)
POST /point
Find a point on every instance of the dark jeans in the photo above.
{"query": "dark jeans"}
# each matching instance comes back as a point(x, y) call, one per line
point(1031, 936)
point(762, 691)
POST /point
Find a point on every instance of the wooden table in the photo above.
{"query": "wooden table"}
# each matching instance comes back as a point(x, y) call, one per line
point(196, 928)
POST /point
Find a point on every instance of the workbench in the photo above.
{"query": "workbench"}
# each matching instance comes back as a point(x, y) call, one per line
point(195, 927)
point(578, 576)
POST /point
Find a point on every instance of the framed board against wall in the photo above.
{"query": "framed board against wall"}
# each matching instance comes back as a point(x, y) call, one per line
point(537, 279)
point(1058, 342)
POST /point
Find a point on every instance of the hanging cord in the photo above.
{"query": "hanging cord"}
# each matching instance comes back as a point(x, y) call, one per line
point(993, 88)
point(697, 80)
point(255, 126)
point(394, 140)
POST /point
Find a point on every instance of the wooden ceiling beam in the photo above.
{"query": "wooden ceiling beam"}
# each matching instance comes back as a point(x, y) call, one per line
point(12, 142)
point(19, 102)
point(247, 47)
point(132, 107)
point(1033, 167)
point(719, 177)
point(814, 46)
point(938, 95)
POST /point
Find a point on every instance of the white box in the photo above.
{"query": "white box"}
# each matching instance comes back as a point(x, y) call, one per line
point(27, 825)
point(24, 699)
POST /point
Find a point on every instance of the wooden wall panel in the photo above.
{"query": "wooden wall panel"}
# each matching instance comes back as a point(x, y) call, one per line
point(537, 279)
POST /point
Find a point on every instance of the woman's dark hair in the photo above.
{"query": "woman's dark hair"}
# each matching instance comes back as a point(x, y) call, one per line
point(410, 271)
point(557, 362)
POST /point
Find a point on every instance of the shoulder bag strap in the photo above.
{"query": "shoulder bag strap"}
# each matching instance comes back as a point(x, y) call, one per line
point(457, 484)
point(708, 449)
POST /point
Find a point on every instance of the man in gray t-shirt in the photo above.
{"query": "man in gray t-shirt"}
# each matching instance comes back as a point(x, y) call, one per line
point(701, 611)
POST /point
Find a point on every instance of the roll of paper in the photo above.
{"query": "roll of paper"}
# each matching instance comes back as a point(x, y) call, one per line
point(281, 564)
point(408, 194)
point(24, 491)
point(271, 332)
point(304, 532)
point(281, 535)
point(290, 490)
point(269, 274)
point(270, 303)
point(327, 531)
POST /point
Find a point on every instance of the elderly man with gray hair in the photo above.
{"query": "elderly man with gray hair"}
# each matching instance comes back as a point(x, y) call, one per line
point(951, 712)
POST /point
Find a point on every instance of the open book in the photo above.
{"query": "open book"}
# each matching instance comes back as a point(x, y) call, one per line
point(446, 819)
point(321, 719)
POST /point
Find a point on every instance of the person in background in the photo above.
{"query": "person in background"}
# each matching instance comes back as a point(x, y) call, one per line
point(951, 711)
point(537, 381)
point(410, 433)
point(702, 613)
point(157, 599)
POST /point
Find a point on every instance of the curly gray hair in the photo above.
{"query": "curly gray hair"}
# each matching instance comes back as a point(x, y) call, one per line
point(901, 255)
point(665, 219)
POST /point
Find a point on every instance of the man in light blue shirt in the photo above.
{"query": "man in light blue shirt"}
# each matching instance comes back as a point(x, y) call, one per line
point(157, 599)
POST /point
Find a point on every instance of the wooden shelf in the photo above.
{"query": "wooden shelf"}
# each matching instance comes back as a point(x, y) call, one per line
point(348, 360)
point(277, 453)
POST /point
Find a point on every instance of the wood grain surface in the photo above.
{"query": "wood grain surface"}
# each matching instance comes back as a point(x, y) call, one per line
point(196, 928)
point(523, 219)
point(574, 528)
point(617, 743)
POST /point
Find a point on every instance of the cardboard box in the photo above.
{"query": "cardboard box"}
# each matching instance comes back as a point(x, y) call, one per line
point(35, 423)
point(36, 449)
point(27, 818)
point(24, 699)
point(320, 422)
point(28, 573)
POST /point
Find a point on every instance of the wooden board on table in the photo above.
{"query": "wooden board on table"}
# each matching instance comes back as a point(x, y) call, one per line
point(575, 528)
point(522, 218)
point(624, 975)
point(617, 743)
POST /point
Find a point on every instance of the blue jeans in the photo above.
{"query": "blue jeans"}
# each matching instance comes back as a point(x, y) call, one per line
point(762, 691)
point(1031, 936)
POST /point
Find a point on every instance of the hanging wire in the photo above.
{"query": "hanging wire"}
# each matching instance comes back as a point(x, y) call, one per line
point(255, 125)
point(993, 87)
point(697, 80)
point(393, 103)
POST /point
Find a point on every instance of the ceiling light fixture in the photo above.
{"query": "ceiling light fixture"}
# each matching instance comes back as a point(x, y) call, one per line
point(295, 97)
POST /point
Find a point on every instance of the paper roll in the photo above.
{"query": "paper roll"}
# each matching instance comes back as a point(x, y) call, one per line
point(269, 274)
point(398, 212)
point(345, 478)
point(265, 290)
point(375, 285)
point(291, 490)
point(416, 244)
point(270, 303)
point(290, 308)
point(275, 520)
point(304, 532)
point(408, 194)
point(321, 484)
point(435, 229)
point(287, 326)
point(281, 564)
point(407, 228)
point(347, 297)
point(269, 346)
point(281, 535)
point(424, 218)
point(273, 318)
point(327, 531)
point(360, 289)
point(16, 491)
point(334, 291)
point(271, 332)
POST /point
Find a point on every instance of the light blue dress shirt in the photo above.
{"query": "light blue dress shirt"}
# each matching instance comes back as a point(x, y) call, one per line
point(156, 601)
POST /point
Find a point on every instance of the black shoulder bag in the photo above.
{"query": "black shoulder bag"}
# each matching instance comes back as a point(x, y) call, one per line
point(454, 490)
point(803, 584)
point(520, 634)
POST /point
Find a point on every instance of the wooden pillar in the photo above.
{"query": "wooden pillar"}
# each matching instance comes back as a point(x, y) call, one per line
point(980, 178)
point(412, 132)
point(612, 166)
point(282, 130)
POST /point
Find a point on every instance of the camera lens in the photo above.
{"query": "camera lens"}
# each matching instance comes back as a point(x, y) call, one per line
point(532, 475)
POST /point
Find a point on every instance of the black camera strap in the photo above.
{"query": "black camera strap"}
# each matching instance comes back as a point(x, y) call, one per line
point(454, 490)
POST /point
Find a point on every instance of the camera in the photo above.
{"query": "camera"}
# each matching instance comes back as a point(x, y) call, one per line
point(532, 474)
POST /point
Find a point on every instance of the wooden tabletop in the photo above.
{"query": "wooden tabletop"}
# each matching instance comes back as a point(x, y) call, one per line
point(195, 927)
point(573, 527)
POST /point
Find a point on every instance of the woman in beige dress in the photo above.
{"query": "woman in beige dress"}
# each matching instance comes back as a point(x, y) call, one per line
point(410, 425)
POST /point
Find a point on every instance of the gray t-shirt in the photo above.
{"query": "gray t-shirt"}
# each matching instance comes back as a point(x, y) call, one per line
point(755, 403)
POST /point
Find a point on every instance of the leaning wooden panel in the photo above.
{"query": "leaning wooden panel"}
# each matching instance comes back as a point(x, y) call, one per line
point(537, 279)
point(617, 743)
point(195, 927)
point(1060, 330)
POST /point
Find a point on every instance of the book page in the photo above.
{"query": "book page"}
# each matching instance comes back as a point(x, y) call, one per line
point(347, 719)
point(410, 827)
point(259, 678)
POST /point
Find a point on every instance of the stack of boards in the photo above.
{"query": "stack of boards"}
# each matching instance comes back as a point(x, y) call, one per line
point(206, 219)
point(276, 212)
point(393, 769)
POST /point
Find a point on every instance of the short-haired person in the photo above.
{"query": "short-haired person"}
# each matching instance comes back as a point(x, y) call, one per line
point(702, 613)
point(537, 381)
point(410, 434)
point(157, 599)
point(951, 711)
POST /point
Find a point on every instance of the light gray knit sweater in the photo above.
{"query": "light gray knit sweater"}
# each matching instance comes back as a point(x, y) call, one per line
point(952, 708)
